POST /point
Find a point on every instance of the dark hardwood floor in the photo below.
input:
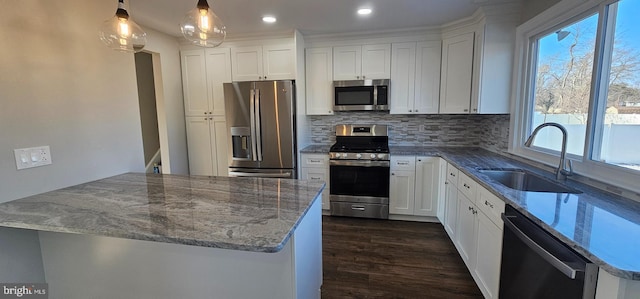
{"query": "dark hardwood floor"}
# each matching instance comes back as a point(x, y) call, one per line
point(366, 258)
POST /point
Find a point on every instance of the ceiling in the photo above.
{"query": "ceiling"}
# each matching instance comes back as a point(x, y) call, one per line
point(244, 17)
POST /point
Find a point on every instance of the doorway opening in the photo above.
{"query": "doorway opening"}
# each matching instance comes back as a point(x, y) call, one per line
point(148, 112)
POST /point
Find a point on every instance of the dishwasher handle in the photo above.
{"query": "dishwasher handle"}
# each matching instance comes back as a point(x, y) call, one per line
point(563, 267)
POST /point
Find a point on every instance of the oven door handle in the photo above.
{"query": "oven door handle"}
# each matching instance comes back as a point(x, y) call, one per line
point(563, 267)
point(360, 163)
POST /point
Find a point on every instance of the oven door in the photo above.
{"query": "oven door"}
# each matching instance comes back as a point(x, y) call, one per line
point(359, 181)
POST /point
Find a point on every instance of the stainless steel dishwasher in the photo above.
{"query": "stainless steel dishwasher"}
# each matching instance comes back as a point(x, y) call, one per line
point(537, 265)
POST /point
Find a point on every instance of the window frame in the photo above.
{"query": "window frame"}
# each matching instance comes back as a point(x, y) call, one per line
point(560, 15)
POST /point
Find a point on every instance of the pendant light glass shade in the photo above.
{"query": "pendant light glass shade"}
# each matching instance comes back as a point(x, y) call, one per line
point(202, 27)
point(121, 33)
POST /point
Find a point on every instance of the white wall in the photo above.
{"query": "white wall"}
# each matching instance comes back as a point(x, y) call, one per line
point(170, 103)
point(60, 86)
point(532, 8)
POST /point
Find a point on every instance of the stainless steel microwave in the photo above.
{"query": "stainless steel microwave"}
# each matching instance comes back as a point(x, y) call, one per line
point(360, 95)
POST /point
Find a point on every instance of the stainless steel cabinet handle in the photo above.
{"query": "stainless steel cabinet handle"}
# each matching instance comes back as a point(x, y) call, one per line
point(566, 269)
point(357, 208)
point(314, 161)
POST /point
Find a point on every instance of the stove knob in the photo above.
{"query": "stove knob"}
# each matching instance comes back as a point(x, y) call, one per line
point(373, 156)
point(380, 156)
point(359, 156)
point(344, 155)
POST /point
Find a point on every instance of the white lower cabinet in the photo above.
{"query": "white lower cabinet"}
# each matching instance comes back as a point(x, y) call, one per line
point(414, 185)
point(315, 167)
point(451, 204)
point(488, 255)
point(402, 185)
point(472, 220)
point(207, 145)
point(466, 230)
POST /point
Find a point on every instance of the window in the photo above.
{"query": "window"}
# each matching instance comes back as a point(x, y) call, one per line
point(580, 67)
point(617, 120)
point(563, 83)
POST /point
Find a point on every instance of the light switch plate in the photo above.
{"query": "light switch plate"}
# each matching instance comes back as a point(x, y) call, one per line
point(32, 157)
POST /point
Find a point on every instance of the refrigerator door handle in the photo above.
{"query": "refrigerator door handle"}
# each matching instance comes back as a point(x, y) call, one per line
point(252, 116)
point(258, 126)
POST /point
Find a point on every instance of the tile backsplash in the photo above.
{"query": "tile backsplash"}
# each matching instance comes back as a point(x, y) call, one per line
point(486, 131)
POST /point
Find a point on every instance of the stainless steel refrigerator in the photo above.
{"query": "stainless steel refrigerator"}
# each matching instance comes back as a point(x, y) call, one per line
point(261, 127)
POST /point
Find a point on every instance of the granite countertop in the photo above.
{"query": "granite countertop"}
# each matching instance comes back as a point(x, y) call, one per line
point(316, 149)
point(602, 226)
point(250, 214)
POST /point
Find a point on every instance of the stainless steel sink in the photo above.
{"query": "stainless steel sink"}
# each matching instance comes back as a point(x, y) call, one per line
point(519, 179)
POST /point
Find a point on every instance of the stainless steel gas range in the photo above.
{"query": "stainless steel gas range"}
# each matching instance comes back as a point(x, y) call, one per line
point(359, 171)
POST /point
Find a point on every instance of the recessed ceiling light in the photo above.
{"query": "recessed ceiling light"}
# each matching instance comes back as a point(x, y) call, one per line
point(269, 19)
point(364, 11)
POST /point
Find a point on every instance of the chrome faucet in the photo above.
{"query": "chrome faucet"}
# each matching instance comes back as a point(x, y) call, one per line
point(561, 173)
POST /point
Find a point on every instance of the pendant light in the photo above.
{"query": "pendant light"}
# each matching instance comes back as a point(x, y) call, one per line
point(202, 27)
point(121, 33)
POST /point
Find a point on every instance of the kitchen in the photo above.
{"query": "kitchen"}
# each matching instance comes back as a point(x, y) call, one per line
point(96, 132)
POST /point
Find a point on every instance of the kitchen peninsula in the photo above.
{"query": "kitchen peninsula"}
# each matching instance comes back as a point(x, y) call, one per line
point(171, 236)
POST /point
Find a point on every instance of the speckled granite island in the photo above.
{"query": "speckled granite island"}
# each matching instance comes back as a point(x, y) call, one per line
point(170, 236)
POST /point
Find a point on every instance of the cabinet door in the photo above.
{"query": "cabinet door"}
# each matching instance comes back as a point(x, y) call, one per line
point(194, 83)
point(466, 230)
point(347, 62)
point(219, 143)
point(427, 78)
point(318, 174)
point(451, 209)
point(402, 192)
point(442, 179)
point(199, 146)
point(218, 72)
point(427, 186)
point(488, 256)
point(319, 76)
point(376, 61)
point(279, 62)
point(246, 63)
point(403, 76)
point(457, 66)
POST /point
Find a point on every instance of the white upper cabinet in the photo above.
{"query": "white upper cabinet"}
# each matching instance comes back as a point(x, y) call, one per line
point(278, 62)
point(403, 78)
point(415, 77)
point(362, 62)
point(319, 79)
point(254, 63)
point(456, 75)
point(204, 72)
point(218, 72)
point(427, 86)
point(194, 83)
point(247, 63)
point(347, 62)
point(376, 61)
point(493, 63)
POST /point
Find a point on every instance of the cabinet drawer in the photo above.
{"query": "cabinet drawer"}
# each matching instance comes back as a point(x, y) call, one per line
point(467, 186)
point(312, 160)
point(452, 174)
point(403, 163)
point(490, 205)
